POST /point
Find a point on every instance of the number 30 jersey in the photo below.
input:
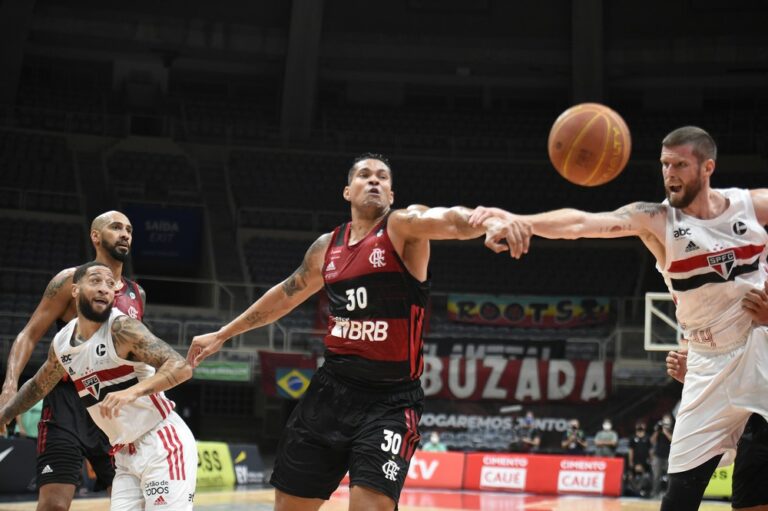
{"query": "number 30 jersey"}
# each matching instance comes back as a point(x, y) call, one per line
point(376, 319)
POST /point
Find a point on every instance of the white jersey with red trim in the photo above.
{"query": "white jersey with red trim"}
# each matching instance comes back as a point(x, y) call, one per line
point(710, 265)
point(96, 370)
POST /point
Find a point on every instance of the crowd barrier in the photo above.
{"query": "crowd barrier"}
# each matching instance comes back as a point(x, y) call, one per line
point(530, 473)
point(219, 465)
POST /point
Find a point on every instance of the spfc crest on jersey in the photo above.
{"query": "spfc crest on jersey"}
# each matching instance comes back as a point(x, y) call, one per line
point(92, 385)
point(723, 263)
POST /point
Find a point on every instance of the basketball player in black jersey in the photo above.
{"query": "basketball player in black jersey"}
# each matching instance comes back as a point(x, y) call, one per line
point(750, 469)
point(67, 434)
point(362, 408)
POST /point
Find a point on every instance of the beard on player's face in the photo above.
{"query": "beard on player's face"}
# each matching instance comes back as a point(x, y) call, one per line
point(91, 314)
point(118, 251)
point(688, 195)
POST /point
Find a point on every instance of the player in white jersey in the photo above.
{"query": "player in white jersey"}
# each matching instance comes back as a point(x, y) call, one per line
point(709, 245)
point(121, 370)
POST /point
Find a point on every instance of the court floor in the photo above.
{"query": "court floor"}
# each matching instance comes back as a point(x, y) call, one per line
point(411, 500)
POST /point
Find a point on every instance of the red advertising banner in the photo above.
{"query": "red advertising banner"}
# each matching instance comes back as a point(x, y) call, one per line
point(290, 368)
point(433, 470)
point(526, 380)
point(541, 473)
point(529, 311)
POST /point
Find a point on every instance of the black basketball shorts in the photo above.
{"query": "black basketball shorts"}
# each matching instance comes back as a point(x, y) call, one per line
point(335, 429)
point(751, 466)
point(65, 435)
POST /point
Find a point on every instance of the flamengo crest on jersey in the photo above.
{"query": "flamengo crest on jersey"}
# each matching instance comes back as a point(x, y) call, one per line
point(96, 370)
point(710, 265)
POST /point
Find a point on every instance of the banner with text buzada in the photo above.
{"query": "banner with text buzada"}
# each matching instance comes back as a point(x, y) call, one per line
point(525, 381)
point(286, 374)
point(544, 474)
point(530, 311)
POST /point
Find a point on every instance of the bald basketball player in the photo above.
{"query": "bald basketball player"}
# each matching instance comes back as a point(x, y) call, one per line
point(66, 433)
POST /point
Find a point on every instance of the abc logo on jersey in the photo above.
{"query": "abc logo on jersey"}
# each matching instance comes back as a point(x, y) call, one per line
point(681, 232)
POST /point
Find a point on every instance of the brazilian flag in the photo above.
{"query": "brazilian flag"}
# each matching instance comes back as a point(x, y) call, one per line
point(292, 382)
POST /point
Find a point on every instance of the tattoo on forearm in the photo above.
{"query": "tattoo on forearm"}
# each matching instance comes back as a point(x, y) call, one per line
point(55, 284)
point(36, 388)
point(257, 318)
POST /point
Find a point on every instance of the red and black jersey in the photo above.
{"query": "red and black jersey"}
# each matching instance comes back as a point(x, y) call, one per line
point(376, 307)
point(128, 299)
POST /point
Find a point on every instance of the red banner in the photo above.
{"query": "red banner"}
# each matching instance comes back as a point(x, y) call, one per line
point(527, 380)
point(541, 473)
point(272, 361)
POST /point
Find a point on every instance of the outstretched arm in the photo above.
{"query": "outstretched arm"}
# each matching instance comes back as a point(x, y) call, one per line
point(133, 341)
point(52, 306)
point(273, 305)
point(34, 390)
point(423, 223)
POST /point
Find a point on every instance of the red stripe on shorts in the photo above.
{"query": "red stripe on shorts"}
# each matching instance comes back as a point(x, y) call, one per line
point(168, 458)
point(181, 452)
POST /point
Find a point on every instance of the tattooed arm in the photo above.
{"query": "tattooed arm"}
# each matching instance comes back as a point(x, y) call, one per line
point(34, 390)
point(273, 305)
point(133, 341)
point(635, 219)
point(54, 305)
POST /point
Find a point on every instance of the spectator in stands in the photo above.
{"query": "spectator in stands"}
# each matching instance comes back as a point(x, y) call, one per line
point(660, 442)
point(26, 423)
point(574, 441)
point(640, 448)
point(606, 440)
point(529, 436)
point(638, 482)
point(434, 444)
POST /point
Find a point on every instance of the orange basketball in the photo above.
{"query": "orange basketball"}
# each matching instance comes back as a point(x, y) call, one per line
point(589, 144)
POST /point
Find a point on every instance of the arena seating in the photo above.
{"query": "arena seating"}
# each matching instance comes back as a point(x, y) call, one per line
point(37, 172)
point(153, 177)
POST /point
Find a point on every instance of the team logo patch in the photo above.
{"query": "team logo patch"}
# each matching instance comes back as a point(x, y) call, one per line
point(132, 312)
point(92, 385)
point(390, 470)
point(132, 295)
point(739, 228)
point(377, 258)
point(722, 263)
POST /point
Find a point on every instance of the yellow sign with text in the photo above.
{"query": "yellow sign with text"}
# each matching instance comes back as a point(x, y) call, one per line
point(214, 465)
point(721, 483)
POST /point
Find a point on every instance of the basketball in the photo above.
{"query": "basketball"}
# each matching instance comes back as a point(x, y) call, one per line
point(589, 144)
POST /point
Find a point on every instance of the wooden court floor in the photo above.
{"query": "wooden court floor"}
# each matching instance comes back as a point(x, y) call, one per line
point(411, 500)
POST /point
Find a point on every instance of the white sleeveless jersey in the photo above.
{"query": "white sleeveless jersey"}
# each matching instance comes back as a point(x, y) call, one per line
point(710, 265)
point(96, 370)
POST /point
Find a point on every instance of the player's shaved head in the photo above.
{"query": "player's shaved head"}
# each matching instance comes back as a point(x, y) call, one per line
point(106, 218)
